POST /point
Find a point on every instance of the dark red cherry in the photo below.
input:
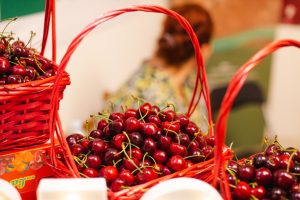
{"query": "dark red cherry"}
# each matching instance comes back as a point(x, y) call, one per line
point(277, 194)
point(183, 120)
point(160, 156)
point(77, 149)
point(149, 146)
point(31, 72)
point(90, 172)
point(96, 134)
point(130, 113)
point(196, 155)
point(147, 174)
point(242, 191)
point(210, 140)
point(150, 129)
point(132, 124)
point(176, 163)
point(285, 162)
point(131, 164)
point(145, 109)
point(182, 139)
point(3, 80)
point(164, 142)
point(283, 179)
point(101, 124)
point(168, 115)
point(93, 161)
point(273, 149)
point(193, 145)
point(208, 152)
point(111, 156)
point(2, 49)
point(177, 149)
point(136, 138)
point(232, 179)
point(14, 79)
point(4, 65)
point(74, 139)
point(135, 153)
point(127, 177)
point(273, 162)
point(118, 140)
point(154, 119)
point(259, 192)
point(117, 185)
point(19, 70)
point(295, 196)
point(245, 172)
point(263, 176)
point(116, 115)
point(233, 165)
point(98, 146)
point(191, 129)
point(259, 160)
point(166, 171)
point(170, 128)
point(110, 173)
point(116, 126)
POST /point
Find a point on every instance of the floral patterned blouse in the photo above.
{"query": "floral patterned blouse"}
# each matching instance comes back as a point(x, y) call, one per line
point(153, 85)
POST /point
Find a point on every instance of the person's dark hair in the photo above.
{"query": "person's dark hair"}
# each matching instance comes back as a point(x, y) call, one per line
point(174, 46)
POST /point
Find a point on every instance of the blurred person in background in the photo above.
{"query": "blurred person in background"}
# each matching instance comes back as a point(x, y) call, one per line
point(168, 77)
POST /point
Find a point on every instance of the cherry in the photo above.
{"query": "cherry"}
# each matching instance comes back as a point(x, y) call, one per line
point(96, 134)
point(149, 146)
point(259, 192)
point(135, 153)
point(31, 72)
point(101, 124)
point(116, 116)
point(232, 179)
point(90, 172)
point(73, 139)
point(245, 172)
point(2, 49)
point(93, 161)
point(295, 196)
point(111, 155)
point(183, 120)
point(166, 171)
point(259, 160)
point(210, 140)
point(201, 140)
point(193, 145)
point(177, 149)
point(168, 115)
point(154, 119)
point(18, 43)
point(116, 126)
point(295, 188)
point(184, 139)
point(170, 127)
point(98, 146)
point(145, 109)
point(14, 79)
point(273, 162)
point(130, 113)
point(117, 185)
point(131, 124)
point(110, 173)
point(118, 140)
point(263, 176)
point(242, 191)
point(130, 164)
point(150, 129)
point(4, 65)
point(147, 174)
point(136, 138)
point(160, 156)
point(77, 149)
point(273, 149)
point(3, 80)
point(20, 51)
point(176, 163)
point(164, 142)
point(283, 179)
point(208, 152)
point(196, 155)
point(191, 129)
point(127, 177)
point(277, 193)
point(233, 165)
point(85, 144)
point(285, 162)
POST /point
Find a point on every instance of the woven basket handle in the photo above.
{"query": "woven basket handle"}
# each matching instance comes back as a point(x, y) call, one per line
point(234, 88)
point(49, 14)
point(201, 80)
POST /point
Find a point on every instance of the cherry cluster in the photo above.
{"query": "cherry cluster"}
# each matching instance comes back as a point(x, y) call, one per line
point(20, 63)
point(272, 174)
point(139, 145)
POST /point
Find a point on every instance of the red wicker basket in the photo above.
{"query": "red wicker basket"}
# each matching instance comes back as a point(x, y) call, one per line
point(234, 88)
point(202, 170)
point(25, 108)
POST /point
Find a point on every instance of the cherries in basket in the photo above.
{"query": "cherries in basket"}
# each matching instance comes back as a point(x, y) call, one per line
point(139, 145)
point(272, 174)
point(19, 63)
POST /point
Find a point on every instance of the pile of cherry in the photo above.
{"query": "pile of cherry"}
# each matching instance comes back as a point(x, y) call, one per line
point(139, 145)
point(272, 174)
point(20, 63)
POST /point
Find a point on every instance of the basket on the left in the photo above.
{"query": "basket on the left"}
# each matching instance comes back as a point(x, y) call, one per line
point(25, 105)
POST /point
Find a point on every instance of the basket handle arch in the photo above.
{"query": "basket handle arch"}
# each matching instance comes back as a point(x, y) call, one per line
point(233, 89)
point(201, 79)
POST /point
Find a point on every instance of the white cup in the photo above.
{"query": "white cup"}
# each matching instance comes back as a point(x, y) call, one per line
point(8, 192)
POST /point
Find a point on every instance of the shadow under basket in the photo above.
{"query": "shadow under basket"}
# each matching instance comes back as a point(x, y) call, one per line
point(25, 112)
